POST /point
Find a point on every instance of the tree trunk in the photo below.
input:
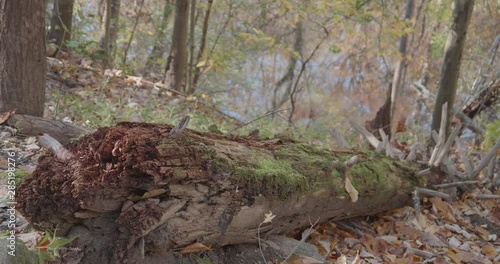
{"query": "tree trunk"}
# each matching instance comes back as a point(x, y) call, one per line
point(109, 30)
point(290, 73)
point(398, 73)
point(190, 70)
point(137, 188)
point(129, 42)
point(22, 56)
point(61, 23)
point(176, 64)
point(451, 64)
point(104, 37)
point(159, 45)
point(203, 42)
point(115, 25)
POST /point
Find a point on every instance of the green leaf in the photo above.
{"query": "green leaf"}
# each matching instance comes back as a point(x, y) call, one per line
point(59, 242)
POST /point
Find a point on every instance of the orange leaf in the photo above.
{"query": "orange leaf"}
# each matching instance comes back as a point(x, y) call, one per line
point(196, 247)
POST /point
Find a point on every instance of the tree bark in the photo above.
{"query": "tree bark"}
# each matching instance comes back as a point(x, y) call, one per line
point(176, 64)
point(22, 56)
point(140, 188)
point(451, 64)
point(61, 23)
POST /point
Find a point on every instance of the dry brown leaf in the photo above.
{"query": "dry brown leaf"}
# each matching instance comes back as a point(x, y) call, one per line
point(301, 259)
point(5, 115)
point(489, 251)
point(483, 233)
point(444, 208)
point(196, 247)
point(321, 249)
point(353, 193)
point(453, 256)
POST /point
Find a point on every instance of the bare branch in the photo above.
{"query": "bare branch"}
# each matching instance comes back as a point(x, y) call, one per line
point(444, 150)
point(455, 184)
point(54, 146)
point(486, 159)
point(432, 193)
point(339, 139)
point(374, 142)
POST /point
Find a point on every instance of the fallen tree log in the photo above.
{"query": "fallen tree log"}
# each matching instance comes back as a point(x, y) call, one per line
point(33, 125)
point(136, 189)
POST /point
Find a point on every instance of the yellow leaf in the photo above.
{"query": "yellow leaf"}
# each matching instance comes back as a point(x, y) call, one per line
point(148, 194)
point(201, 64)
point(353, 193)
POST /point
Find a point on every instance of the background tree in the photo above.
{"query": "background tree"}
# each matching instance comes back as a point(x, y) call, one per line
point(22, 56)
point(451, 64)
point(177, 60)
point(109, 29)
point(159, 44)
point(61, 22)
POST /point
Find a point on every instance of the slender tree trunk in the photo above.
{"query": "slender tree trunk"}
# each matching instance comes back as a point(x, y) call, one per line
point(104, 36)
point(290, 74)
point(176, 64)
point(22, 56)
point(61, 22)
point(451, 64)
point(398, 74)
point(109, 30)
point(203, 41)
point(192, 23)
point(159, 45)
point(125, 51)
point(114, 26)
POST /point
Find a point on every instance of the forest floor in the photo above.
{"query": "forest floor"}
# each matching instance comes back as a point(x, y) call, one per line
point(466, 230)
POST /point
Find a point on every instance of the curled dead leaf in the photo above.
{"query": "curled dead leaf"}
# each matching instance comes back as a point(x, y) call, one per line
point(353, 193)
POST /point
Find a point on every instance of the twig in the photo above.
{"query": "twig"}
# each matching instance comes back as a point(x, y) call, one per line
point(374, 142)
point(180, 127)
point(339, 139)
point(423, 172)
point(350, 162)
point(491, 169)
point(432, 193)
point(441, 135)
point(486, 196)
point(413, 153)
point(486, 159)
point(302, 240)
point(418, 252)
point(444, 150)
point(454, 184)
point(258, 118)
point(462, 153)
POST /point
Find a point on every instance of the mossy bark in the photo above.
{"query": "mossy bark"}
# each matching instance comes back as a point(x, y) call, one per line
point(135, 185)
